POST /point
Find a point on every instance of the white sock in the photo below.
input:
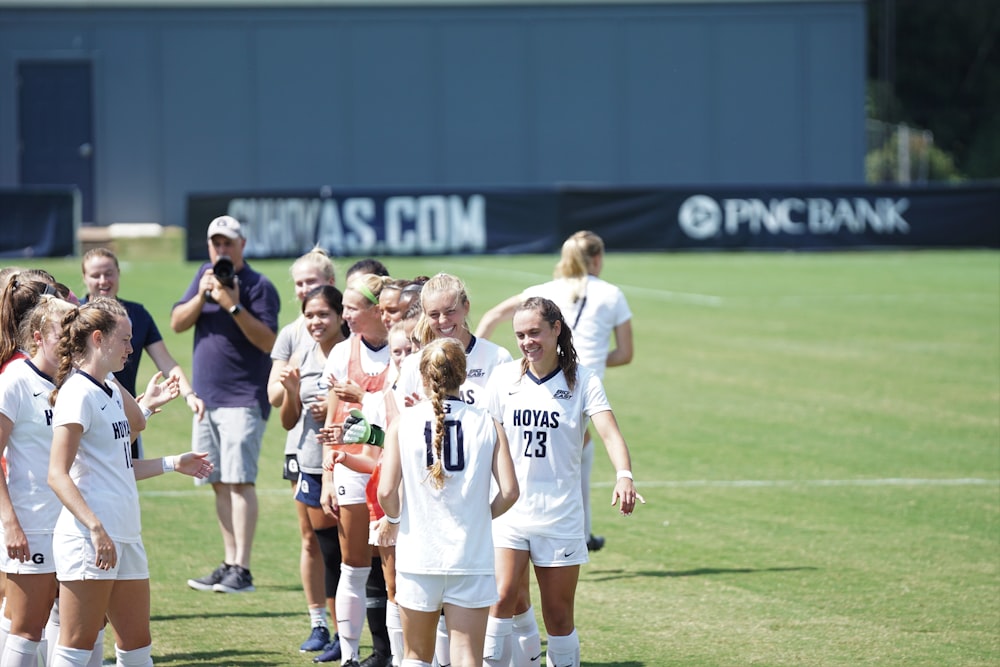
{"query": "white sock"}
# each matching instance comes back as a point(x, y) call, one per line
point(4, 626)
point(564, 651)
point(139, 657)
point(19, 652)
point(496, 651)
point(51, 632)
point(317, 617)
point(442, 644)
point(526, 645)
point(97, 657)
point(395, 627)
point(63, 656)
point(351, 608)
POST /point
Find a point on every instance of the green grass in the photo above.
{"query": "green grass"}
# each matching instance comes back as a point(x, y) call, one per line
point(773, 400)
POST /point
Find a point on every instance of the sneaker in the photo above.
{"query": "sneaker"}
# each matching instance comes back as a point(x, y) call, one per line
point(236, 580)
point(317, 641)
point(377, 659)
point(595, 542)
point(208, 582)
point(331, 652)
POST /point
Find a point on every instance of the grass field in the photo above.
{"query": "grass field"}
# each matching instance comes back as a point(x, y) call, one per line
point(817, 437)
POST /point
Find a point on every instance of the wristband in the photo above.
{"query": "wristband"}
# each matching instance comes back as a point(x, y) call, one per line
point(146, 412)
point(624, 474)
point(189, 395)
point(392, 519)
point(168, 464)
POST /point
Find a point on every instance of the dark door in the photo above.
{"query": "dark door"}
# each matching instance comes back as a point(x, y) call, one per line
point(55, 126)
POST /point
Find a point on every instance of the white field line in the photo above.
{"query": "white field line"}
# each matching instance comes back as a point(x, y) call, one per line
point(661, 294)
point(692, 483)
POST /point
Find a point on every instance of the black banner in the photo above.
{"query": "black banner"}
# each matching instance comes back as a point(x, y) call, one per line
point(494, 221)
point(39, 222)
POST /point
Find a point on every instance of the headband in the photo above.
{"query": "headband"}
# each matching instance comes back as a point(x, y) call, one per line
point(367, 293)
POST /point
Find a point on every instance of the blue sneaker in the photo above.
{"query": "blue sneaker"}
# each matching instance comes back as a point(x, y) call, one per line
point(331, 652)
point(318, 639)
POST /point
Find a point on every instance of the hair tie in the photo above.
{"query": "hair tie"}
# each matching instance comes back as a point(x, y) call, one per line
point(368, 294)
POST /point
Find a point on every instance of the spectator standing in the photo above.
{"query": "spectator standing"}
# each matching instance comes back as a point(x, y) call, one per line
point(234, 312)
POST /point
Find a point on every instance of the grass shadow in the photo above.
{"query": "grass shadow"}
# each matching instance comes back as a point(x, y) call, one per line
point(617, 574)
point(222, 614)
point(224, 658)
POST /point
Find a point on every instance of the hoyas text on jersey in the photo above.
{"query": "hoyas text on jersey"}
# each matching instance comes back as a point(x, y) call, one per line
point(536, 418)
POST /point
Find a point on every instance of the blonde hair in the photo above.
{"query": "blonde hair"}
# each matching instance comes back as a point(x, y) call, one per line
point(319, 260)
point(45, 316)
point(102, 314)
point(575, 261)
point(442, 283)
point(442, 367)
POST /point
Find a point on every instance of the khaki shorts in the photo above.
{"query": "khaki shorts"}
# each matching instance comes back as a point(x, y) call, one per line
point(429, 592)
point(232, 437)
point(76, 560)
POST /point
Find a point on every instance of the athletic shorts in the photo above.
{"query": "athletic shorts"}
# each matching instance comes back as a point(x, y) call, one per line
point(545, 551)
point(350, 485)
point(232, 438)
point(290, 471)
point(76, 560)
point(309, 488)
point(429, 592)
point(41, 561)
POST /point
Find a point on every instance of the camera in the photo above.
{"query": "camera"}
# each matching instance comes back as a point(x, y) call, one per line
point(224, 271)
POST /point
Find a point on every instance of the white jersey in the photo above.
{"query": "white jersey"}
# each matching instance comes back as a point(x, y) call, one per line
point(446, 530)
point(481, 357)
point(593, 317)
point(102, 469)
point(291, 339)
point(545, 422)
point(24, 399)
point(373, 361)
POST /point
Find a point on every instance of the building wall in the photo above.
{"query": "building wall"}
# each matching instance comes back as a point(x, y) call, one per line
point(202, 100)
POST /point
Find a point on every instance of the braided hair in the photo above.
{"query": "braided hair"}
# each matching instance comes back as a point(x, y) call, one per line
point(19, 296)
point(102, 314)
point(566, 353)
point(442, 367)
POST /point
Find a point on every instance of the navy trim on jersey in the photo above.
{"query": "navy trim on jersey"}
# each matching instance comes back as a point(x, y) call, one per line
point(472, 344)
point(545, 379)
point(372, 347)
point(38, 372)
point(105, 388)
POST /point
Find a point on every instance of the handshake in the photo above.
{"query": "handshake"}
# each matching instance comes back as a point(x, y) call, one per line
point(357, 430)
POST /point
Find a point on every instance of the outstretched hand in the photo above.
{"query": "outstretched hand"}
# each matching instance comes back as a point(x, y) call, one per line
point(160, 391)
point(195, 464)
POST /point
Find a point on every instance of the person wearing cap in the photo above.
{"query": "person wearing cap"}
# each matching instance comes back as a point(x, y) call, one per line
point(234, 312)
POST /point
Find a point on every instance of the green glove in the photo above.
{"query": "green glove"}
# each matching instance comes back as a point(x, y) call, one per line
point(358, 430)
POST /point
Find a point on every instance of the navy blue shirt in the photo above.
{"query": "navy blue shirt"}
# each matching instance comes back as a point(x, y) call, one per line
point(144, 334)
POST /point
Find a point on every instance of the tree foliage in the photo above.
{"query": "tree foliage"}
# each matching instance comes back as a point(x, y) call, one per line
point(936, 65)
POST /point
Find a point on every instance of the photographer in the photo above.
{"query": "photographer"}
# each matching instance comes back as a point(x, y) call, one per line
point(234, 312)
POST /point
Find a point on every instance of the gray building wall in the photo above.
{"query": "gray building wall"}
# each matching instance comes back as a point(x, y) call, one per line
point(202, 100)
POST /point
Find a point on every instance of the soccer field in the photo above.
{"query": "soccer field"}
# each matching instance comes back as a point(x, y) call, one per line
point(817, 437)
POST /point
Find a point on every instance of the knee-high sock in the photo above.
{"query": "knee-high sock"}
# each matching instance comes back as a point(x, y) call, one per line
point(63, 656)
point(140, 657)
point(442, 644)
point(97, 657)
point(564, 650)
point(351, 608)
point(4, 626)
point(496, 652)
point(19, 652)
point(51, 632)
point(587, 464)
point(375, 602)
point(395, 627)
point(526, 645)
point(329, 546)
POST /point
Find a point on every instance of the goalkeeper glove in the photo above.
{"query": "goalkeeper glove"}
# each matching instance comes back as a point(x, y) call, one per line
point(357, 429)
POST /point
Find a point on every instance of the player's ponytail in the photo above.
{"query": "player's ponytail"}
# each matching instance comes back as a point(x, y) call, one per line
point(442, 367)
point(576, 258)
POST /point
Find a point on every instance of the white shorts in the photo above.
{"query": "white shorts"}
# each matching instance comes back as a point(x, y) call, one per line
point(41, 561)
point(545, 551)
point(429, 592)
point(76, 560)
point(350, 485)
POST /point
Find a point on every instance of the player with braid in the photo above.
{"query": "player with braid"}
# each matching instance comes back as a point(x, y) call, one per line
point(444, 452)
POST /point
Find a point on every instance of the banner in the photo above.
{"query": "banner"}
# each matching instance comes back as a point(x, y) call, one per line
point(39, 222)
point(538, 220)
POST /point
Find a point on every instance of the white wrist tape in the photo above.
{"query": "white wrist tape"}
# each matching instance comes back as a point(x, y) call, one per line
point(624, 474)
point(169, 464)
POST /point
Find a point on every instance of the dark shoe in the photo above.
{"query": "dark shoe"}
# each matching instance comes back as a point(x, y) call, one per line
point(236, 580)
point(595, 542)
point(331, 652)
point(208, 582)
point(377, 659)
point(317, 641)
